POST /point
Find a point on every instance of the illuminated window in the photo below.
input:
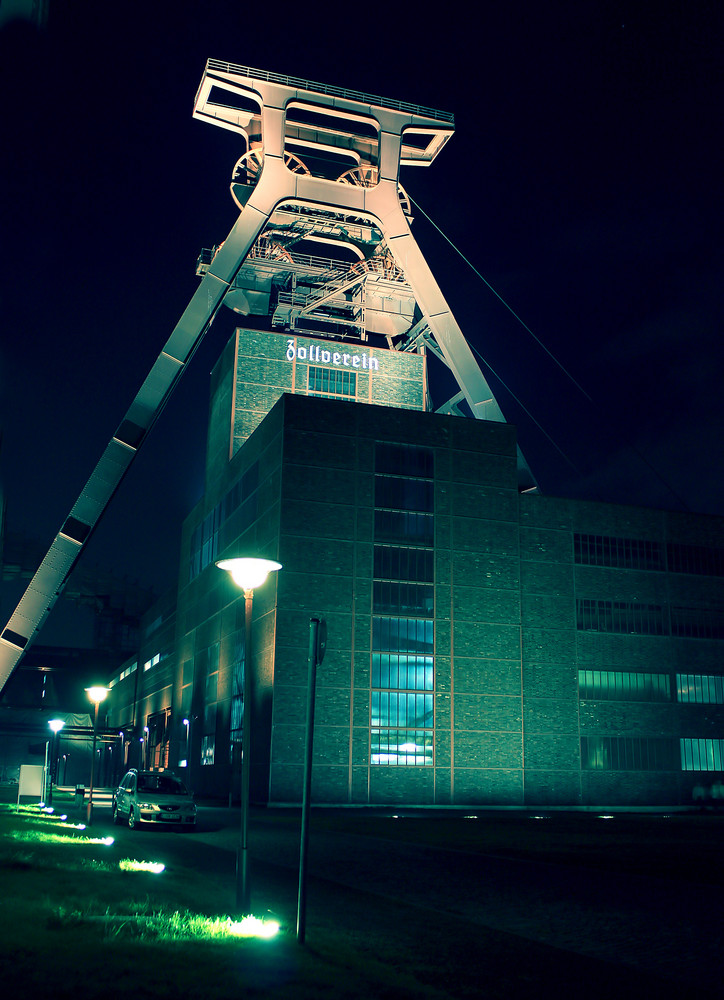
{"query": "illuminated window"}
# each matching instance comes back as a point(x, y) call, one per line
point(152, 662)
point(402, 675)
point(701, 689)
point(702, 755)
point(331, 382)
point(208, 746)
point(237, 689)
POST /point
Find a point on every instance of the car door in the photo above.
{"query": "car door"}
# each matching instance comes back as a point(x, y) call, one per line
point(125, 795)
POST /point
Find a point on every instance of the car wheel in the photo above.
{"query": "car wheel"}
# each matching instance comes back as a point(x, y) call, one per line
point(132, 822)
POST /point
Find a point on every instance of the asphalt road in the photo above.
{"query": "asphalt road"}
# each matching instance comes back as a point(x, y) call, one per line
point(670, 929)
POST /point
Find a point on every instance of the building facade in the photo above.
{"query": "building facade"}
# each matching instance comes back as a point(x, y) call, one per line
point(484, 646)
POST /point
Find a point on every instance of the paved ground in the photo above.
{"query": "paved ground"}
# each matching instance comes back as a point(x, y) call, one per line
point(612, 929)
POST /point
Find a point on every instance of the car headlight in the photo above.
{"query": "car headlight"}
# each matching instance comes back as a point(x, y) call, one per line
point(145, 805)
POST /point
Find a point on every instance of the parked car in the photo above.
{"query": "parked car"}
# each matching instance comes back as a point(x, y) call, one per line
point(153, 797)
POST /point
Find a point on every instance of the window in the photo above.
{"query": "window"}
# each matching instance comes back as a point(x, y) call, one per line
point(697, 623)
point(207, 537)
point(637, 553)
point(625, 553)
point(404, 526)
point(392, 598)
point(158, 738)
point(237, 689)
point(628, 753)
point(406, 494)
point(621, 617)
point(616, 685)
point(702, 755)
point(402, 675)
point(331, 382)
point(397, 563)
point(701, 689)
point(403, 460)
point(695, 559)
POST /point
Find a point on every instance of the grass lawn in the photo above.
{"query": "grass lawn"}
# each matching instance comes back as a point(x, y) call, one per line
point(74, 921)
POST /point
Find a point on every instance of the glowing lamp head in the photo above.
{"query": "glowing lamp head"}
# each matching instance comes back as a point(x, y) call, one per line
point(97, 694)
point(56, 725)
point(249, 573)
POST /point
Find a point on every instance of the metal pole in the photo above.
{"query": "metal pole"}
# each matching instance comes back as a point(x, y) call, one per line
point(54, 748)
point(89, 814)
point(243, 891)
point(307, 789)
point(46, 773)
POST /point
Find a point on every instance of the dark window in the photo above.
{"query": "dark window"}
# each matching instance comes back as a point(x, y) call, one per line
point(397, 563)
point(404, 526)
point(623, 553)
point(403, 494)
point(697, 623)
point(207, 537)
point(621, 617)
point(390, 597)
point(628, 753)
point(622, 685)
point(695, 559)
point(404, 460)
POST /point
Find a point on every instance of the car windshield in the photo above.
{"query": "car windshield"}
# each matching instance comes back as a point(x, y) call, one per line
point(163, 783)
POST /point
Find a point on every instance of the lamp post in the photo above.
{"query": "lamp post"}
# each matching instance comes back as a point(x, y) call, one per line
point(185, 761)
point(97, 695)
point(56, 725)
point(247, 573)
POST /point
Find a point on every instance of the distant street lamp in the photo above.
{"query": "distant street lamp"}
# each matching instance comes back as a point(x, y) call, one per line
point(96, 694)
point(247, 573)
point(56, 725)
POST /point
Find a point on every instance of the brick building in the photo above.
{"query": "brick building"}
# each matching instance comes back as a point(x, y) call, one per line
point(485, 646)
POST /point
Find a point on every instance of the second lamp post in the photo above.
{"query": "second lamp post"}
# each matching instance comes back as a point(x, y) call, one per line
point(247, 573)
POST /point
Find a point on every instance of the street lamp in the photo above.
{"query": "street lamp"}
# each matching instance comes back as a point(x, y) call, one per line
point(247, 573)
point(56, 725)
point(96, 694)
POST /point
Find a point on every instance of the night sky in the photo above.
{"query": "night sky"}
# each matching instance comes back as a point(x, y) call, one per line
point(583, 182)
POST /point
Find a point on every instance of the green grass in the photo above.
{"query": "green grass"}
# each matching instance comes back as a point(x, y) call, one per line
point(79, 918)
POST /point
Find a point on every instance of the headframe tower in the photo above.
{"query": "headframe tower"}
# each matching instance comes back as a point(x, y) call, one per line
point(320, 166)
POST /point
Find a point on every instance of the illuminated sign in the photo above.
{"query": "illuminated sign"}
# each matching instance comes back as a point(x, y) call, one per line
point(319, 355)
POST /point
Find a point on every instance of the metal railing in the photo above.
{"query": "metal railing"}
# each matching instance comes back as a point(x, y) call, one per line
point(325, 88)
